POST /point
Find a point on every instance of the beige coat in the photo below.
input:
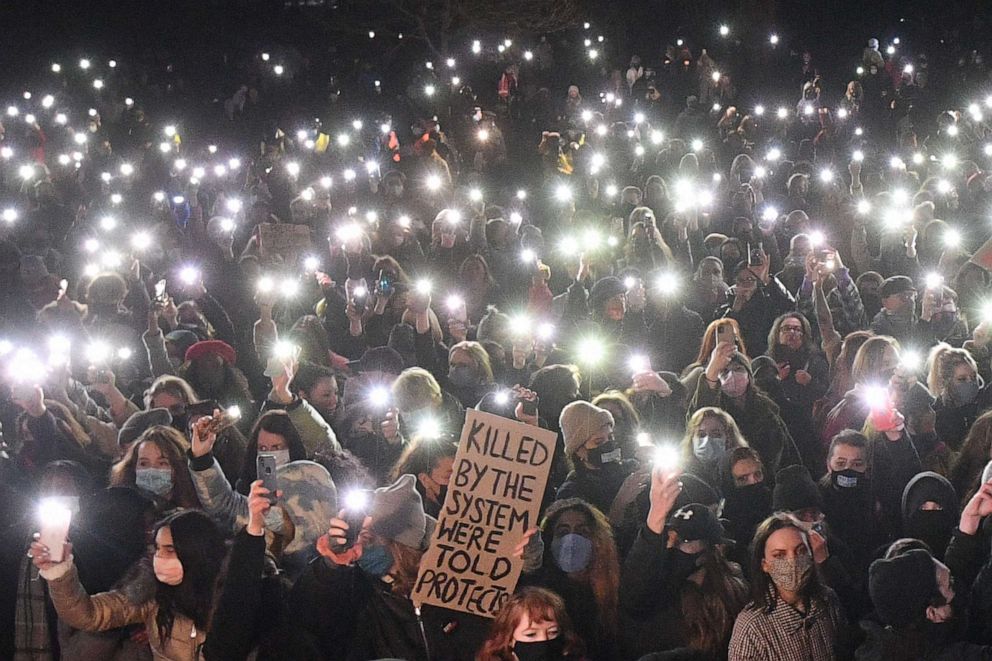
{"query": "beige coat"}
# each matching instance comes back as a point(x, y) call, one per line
point(112, 610)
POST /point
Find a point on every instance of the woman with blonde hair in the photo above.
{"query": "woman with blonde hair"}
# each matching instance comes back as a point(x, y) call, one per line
point(421, 404)
point(583, 567)
point(470, 373)
point(156, 465)
point(532, 624)
point(710, 434)
point(961, 395)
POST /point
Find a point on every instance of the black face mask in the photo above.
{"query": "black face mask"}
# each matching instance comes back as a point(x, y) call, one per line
point(544, 650)
point(442, 493)
point(747, 504)
point(607, 453)
point(683, 564)
point(847, 480)
point(933, 527)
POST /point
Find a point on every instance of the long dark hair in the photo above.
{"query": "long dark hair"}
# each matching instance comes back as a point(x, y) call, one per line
point(764, 594)
point(201, 549)
point(709, 610)
point(274, 422)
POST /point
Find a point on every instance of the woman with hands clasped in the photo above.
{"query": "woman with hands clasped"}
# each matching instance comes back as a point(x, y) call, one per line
point(354, 601)
point(677, 588)
point(189, 554)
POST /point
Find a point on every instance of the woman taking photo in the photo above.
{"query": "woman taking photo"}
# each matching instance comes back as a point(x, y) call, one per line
point(189, 553)
point(792, 614)
point(678, 589)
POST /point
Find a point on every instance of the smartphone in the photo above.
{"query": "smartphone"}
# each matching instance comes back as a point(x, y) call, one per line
point(755, 255)
point(265, 466)
point(161, 295)
point(355, 510)
point(384, 283)
point(53, 519)
point(529, 406)
point(226, 419)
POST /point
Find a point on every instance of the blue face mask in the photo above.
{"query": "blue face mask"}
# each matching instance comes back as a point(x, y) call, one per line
point(376, 560)
point(156, 480)
point(572, 552)
point(708, 449)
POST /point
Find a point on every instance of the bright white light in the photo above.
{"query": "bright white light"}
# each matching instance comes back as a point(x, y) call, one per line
point(773, 154)
point(278, 69)
point(84, 64)
point(293, 168)
point(563, 193)
point(773, 39)
point(782, 113)
point(9, 215)
point(759, 110)
point(724, 30)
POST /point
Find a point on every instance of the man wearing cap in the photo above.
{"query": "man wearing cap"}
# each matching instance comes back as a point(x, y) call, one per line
point(914, 598)
point(897, 318)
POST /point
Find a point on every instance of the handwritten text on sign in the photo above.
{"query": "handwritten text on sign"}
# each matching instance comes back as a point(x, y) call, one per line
point(493, 498)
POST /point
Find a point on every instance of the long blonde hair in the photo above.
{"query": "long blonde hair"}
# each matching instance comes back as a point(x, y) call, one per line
point(734, 437)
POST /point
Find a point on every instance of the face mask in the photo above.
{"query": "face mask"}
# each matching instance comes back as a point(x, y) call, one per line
point(376, 560)
point(156, 480)
point(734, 384)
point(847, 479)
point(281, 456)
point(168, 570)
point(684, 564)
point(790, 574)
point(462, 376)
point(964, 392)
point(544, 650)
point(607, 453)
point(572, 552)
point(708, 449)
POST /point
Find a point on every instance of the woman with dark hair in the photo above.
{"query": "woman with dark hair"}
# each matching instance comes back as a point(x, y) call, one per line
point(678, 589)
point(430, 460)
point(583, 567)
point(275, 434)
point(189, 554)
point(803, 371)
point(532, 624)
point(156, 464)
point(792, 614)
point(976, 452)
point(479, 289)
point(721, 330)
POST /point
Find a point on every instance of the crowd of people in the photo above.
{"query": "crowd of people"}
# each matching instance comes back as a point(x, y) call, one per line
point(762, 335)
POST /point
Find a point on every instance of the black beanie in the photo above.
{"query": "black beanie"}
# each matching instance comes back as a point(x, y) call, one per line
point(901, 588)
point(795, 490)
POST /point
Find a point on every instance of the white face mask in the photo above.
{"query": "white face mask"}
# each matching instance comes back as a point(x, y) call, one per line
point(281, 456)
point(168, 570)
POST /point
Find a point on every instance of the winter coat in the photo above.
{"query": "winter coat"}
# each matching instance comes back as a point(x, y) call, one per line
point(888, 644)
point(118, 608)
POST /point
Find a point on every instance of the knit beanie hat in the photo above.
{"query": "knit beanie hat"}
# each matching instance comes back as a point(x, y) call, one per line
point(206, 348)
point(795, 490)
point(136, 425)
point(902, 587)
point(579, 421)
point(398, 514)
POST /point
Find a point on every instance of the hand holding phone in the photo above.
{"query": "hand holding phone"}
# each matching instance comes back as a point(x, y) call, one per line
point(265, 466)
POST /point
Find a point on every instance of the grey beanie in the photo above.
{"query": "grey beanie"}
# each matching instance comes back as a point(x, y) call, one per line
point(398, 514)
point(141, 421)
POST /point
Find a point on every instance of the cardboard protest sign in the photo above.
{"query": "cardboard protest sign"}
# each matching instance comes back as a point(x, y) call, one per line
point(287, 240)
point(494, 497)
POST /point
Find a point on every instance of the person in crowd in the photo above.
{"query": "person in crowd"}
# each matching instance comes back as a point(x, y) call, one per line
point(532, 624)
point(189, 554)
point(961, 397)
point(710, 435)
point(581, 565)
point(431, 461)
point(791, 612)
point(803, 370)
point(976, 452)
point(747, 498)
point(598, 466)
point(156, 465)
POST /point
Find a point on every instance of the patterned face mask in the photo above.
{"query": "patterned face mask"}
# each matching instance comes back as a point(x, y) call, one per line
point(789, 574)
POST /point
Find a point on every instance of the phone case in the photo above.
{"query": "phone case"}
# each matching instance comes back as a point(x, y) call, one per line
point(265, 465)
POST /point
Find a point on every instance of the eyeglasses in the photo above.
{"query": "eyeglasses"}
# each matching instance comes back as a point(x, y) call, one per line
point(795, 330)
point(746, 281)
